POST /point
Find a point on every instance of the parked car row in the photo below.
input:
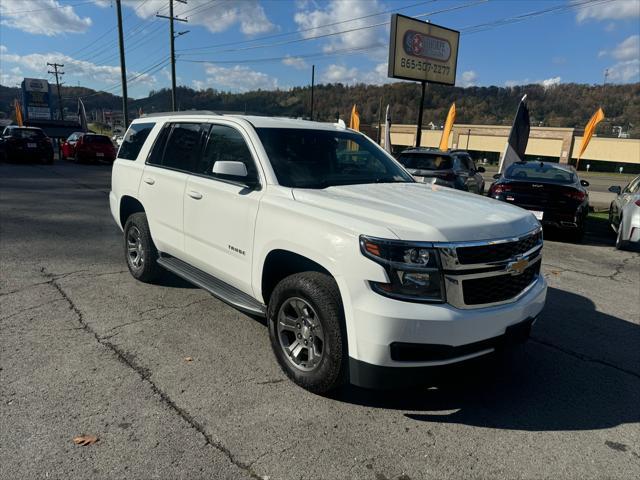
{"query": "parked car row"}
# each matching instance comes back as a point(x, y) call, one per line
point(83, 147)
point(25, 144)
point(624, 214)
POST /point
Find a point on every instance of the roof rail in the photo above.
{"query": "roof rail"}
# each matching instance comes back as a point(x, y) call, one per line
point(182, 112)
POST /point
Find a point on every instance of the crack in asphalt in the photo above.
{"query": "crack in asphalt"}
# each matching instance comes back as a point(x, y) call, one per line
point(617, 270)
point(585, 358)
point(145, 375)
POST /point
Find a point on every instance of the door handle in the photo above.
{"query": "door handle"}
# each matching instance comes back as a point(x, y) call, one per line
point(194, 194)
point(148, 180)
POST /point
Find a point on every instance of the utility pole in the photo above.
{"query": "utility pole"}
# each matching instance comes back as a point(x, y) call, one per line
point(419, 128)
point(57, 73)
point(172, 38)
point(123, 69)
point(313, 80)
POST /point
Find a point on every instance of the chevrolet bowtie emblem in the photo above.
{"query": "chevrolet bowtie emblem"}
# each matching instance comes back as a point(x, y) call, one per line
point(517, 267)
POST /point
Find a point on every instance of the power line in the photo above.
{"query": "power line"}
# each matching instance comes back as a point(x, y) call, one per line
point(342, 32)
point(278, 35)
point(172, 39)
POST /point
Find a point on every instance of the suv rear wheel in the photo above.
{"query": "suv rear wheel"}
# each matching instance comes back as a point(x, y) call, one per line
point(306, 331)
point(140, 251)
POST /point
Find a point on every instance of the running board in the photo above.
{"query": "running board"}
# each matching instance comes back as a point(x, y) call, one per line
point(214, 286)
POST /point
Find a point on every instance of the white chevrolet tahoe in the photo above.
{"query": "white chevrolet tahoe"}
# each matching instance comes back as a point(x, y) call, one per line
point(363, 274)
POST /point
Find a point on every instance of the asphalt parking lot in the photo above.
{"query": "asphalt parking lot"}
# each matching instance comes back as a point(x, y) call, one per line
point(176, 384)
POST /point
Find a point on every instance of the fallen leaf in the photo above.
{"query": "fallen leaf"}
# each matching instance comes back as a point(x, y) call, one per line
point(85, 440)
point(188, 359)
point(556, 272)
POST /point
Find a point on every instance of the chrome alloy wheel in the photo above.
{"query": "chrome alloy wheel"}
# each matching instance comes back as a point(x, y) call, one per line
point(300, 334)
point(135, 251)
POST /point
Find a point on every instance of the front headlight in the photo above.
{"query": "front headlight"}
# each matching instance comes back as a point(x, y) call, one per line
point(413, 269)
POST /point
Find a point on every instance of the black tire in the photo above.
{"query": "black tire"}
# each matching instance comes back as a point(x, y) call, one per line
point(321, 292)
point(147, 269)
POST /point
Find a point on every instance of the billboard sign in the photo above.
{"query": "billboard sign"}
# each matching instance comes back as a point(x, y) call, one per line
point(36, 99)
point(422, 51)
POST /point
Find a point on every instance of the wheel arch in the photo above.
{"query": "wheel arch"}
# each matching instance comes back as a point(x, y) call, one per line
point(280, 263)
point(128, 206)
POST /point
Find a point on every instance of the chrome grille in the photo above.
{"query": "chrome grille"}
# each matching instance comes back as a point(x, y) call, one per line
point(493, 272)
point(498, 252)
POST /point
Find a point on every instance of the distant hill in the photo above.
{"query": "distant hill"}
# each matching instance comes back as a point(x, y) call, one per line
point(565, 105)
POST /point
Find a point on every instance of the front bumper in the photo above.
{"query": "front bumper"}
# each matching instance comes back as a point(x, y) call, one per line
point(367, 375)
point(456, 335)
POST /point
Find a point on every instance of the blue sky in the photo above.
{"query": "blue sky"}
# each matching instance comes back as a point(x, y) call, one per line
point(239, 45)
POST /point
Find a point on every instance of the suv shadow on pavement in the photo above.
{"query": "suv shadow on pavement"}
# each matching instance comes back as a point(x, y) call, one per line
point(579, 371)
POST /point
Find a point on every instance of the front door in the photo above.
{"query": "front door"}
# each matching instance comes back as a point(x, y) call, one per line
point(220, 211)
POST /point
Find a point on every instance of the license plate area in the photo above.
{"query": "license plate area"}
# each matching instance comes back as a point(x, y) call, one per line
point(32, 145)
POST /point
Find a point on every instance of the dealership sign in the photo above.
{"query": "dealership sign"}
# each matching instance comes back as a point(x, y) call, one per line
point(36, 99)
point(422, 51)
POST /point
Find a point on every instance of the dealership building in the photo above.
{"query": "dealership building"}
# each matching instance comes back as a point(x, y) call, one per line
point(545, 143)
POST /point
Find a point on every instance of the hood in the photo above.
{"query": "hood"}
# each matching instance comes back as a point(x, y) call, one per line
point(423, 212)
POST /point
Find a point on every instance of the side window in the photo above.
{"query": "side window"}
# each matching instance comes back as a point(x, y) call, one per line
point(633, 186)
point(226, 144)
point(183, 146)
point(134, 140)
point(157, 151)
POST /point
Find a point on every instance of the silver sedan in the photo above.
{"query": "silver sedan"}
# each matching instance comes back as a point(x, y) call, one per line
point(624, 214)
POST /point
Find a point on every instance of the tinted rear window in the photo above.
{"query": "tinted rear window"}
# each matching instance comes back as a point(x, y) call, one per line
point(26, 133)
point(425, 161)
point(536, 172)
point(134, 140)
point(96, 139)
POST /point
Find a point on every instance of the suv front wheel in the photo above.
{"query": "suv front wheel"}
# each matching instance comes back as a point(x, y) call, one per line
point(140, 251)
point(306, 331)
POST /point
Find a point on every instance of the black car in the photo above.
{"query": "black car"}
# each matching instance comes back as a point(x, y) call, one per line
point(454, 169)
point(552, 192)
point(23, 144)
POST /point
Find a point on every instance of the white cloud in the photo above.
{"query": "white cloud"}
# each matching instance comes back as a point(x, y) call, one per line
point(214, 16)
point(35, 63)
point(468, 79)
point(13, 78)
point(239, 78)
point(550, 82)
point(546, 83)
point(43, 17)
point(340, 74)
point(3, 48)
point(351, 76)
point(614, 10)
point(628, 49)
point(199, 85)
point(625, 72)
point(295, 62)
point(340, 11)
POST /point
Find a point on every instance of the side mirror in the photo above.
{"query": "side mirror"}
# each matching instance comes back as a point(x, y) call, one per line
point(615, 189)
point(584, 183)
point(496, 176)
point(234, 169)
point(480, 170)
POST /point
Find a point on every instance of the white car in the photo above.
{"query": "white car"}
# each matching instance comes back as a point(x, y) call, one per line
point(624, 214)
point(364, 275)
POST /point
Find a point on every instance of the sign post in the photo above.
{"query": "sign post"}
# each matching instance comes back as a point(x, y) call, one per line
point(423, 52)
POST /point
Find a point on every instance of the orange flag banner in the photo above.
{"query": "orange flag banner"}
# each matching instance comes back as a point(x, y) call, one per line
point(354, 121)
point(448, 126)
point(589, 130)
point(18, 113)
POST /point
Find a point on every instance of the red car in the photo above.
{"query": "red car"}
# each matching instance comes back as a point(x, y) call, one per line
point(89, 147)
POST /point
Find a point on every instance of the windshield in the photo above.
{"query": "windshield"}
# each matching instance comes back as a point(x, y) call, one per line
point(304, 158)
point(425, 161)
point(27, 133)
point(96, 139)
point(539, 172)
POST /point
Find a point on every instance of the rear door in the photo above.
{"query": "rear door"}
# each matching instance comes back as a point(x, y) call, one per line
point(164, 179)
point(220, 211)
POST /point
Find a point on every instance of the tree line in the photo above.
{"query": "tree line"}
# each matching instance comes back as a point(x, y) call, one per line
point(564, 105)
